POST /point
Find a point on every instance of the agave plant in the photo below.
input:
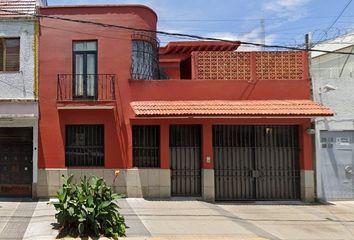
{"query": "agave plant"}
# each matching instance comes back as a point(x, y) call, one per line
point(89, 208)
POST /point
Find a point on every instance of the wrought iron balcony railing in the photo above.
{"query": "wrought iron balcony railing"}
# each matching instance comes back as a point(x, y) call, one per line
point(86, 87)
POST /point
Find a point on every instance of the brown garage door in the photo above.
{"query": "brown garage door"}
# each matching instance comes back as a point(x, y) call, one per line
point(16, 162)
point(256, 162)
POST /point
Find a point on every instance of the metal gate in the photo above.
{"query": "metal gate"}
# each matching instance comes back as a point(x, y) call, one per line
point(185, 160)
point(336, 165)
point(16, 162)
point(256, 162)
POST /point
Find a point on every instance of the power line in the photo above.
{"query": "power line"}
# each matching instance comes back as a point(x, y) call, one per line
point(243, 19)
point(340, 14)
point(174, 34)
point(336, 19)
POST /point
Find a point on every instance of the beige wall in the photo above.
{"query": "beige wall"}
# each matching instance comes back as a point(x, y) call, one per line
point(307, 185)
point(147, 183)
point(130, 182)
point(208, 185)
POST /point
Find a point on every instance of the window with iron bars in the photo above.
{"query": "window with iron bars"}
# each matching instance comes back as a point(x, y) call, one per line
point(84, 145)
point(146, 146)
point(145, 60)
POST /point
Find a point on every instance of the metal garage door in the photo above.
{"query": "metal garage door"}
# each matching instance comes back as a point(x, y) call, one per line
point(256, 162)
point(185, 156)
point(336, 160)
point(16, 162)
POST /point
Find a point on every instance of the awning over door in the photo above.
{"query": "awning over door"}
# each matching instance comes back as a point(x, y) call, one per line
point(239, 108)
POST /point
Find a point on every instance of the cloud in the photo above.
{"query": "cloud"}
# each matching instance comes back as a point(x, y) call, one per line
point(290, 9)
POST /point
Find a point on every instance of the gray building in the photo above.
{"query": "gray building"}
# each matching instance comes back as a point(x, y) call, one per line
point(18, 97)
point(333, 86)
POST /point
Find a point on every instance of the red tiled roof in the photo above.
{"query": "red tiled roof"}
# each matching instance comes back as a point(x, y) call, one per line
point(17, 7)
point(241, 108)
point(186, 47)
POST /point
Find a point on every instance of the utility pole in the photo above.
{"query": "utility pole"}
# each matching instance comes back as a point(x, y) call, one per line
point(308, 41)
point(314, 137)
point(263, 33)
point(308, 46)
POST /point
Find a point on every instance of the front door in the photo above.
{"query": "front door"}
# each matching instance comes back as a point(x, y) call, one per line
point(256, 162)
point(85, 70)
point(185, 160)
point(16, 162)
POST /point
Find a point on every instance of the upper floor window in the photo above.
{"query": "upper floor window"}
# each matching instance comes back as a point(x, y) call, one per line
point(9, 54)
point(145, 63)
point(85, 69)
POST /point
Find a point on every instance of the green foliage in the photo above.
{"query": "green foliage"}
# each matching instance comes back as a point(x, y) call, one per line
point(89, 208)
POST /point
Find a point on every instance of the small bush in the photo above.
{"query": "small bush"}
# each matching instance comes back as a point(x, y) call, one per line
point(88, 209)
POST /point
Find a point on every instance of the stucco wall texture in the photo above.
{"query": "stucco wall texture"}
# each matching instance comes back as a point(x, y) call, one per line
point(19, 85)
point(335, 70)
point(340, 101)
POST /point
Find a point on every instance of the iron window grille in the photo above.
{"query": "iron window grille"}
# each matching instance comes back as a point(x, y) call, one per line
point(145, 57)
point(146, 146)
point(84, 145)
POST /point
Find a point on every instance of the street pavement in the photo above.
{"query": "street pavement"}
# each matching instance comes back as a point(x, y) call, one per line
point(191, 219)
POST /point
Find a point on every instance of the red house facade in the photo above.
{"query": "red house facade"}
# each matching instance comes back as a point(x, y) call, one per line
point(191, 119)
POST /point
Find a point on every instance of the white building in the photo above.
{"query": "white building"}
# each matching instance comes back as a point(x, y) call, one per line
point(18, 97)
point(333, 86)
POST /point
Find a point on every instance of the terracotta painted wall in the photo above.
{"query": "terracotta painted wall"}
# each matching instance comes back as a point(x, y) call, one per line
point(305, 141)
point(219, 90)
point(114, 54)
point(114, 57)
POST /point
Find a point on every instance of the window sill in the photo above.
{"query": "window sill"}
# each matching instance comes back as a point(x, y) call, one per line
point(10, 72)
point(145, 168)
point(84, 167)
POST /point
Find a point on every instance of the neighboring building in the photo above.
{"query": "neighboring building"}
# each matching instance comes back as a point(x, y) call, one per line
point(191, 119)
point(18, 97)
point(333, 86)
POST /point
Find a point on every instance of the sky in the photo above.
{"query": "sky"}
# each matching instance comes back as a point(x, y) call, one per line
point(281, 22)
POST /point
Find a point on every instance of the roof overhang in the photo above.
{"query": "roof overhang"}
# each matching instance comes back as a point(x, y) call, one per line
point(230, 109)
point(186, 47)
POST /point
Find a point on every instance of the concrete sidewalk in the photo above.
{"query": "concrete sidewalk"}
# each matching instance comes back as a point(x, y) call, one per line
point(195, 220)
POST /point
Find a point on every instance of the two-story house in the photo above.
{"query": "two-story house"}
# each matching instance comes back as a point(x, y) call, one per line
point(332, 78)
point(18, 97)
point(191, 119)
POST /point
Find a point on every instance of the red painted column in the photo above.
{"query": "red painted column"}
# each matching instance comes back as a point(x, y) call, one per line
point(306, 148)
point(129, 154)
point(164, 146)
point(207, 146)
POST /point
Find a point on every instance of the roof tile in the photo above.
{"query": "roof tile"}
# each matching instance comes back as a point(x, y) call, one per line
point(253, 108)
point(17, 7)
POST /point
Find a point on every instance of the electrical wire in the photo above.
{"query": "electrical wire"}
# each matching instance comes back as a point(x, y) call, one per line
point(243, 19)
point(174, 34)
point(335, 20)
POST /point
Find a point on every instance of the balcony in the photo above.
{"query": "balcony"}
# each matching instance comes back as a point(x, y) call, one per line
point(86, 91)
point(226, 75)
